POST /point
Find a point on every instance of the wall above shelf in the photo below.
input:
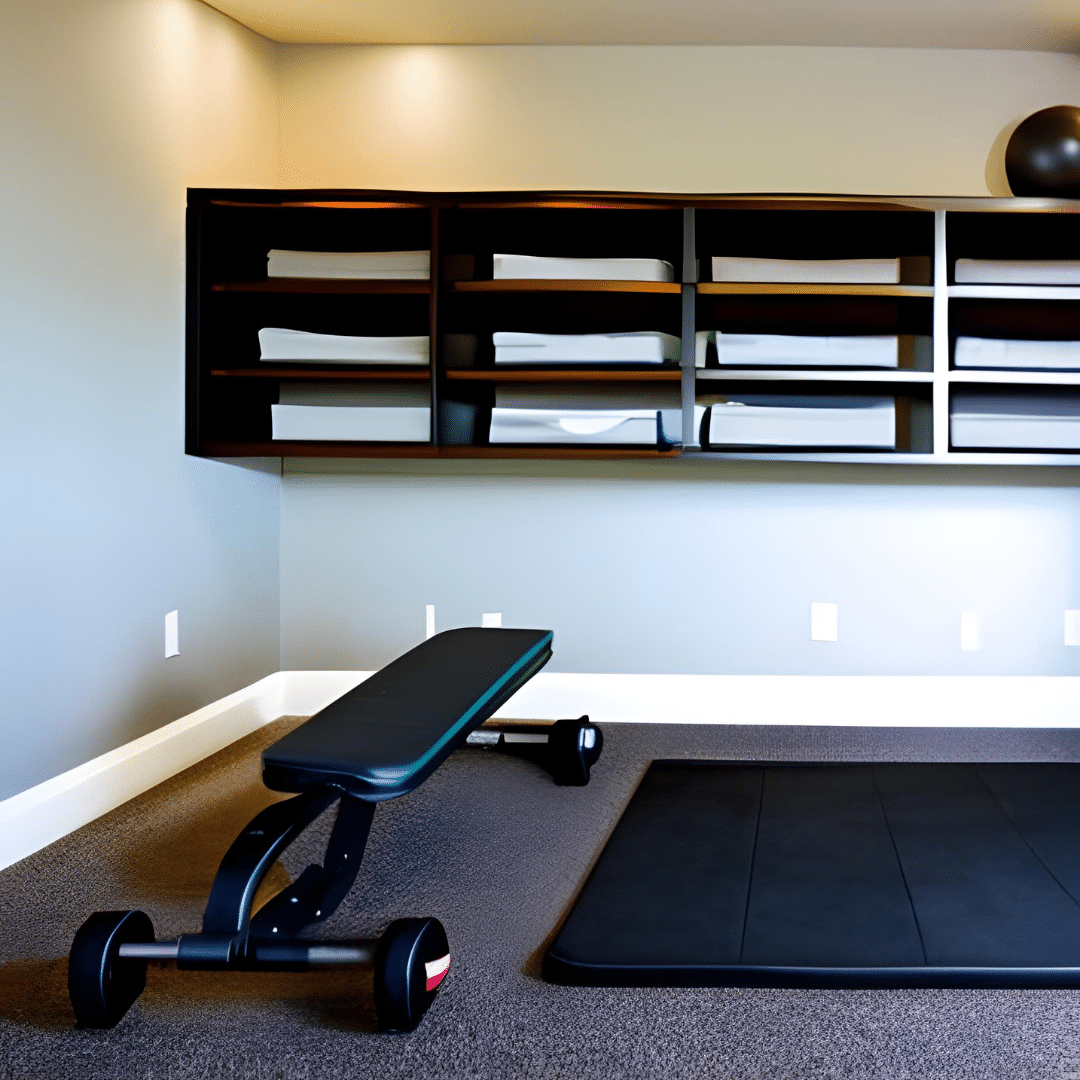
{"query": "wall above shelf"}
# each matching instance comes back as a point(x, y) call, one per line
point(789, 351)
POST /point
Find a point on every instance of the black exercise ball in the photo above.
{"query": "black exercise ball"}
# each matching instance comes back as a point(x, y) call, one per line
point(1043, 155)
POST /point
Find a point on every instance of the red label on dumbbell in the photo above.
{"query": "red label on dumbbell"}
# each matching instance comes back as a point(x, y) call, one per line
point(436, 970)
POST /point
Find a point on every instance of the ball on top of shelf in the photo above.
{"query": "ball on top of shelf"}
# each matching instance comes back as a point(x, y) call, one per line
point(1043, 154)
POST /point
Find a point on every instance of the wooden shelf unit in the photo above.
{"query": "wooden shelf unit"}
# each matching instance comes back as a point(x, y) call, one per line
point(230, 391)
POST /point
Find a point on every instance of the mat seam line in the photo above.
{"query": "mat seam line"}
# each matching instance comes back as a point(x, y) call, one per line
point(1016, 828)
point(900, 864)
point(753, 861)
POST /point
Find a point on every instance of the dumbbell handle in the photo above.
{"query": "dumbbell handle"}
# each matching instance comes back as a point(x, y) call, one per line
point(566, 748)
point(313, 953)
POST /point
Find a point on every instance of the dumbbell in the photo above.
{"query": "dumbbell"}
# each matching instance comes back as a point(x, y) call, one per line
point(107, 964)
point(567, 749)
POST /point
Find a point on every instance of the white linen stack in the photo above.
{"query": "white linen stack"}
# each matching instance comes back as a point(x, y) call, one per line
point(791, 350)
point(976, 352)
point(632, 415)
point(1038, 421)
point(315, 411)
point(301, 347)
point(646, 347)
point(1017, 272)
point(540, 267)
point(776, 420)
point(349, 265)
point(807, 271)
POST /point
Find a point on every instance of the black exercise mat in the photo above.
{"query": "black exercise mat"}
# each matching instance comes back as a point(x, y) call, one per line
point(824, 875)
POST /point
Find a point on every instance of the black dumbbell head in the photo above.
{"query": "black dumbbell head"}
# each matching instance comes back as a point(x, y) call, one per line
point(411, 960)
point(102, 984)
point(573, 748)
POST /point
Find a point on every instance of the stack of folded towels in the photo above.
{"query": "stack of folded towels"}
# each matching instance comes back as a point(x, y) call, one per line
point(1017, 271)
point(300, 347)
point(801, 420)
point(645, 347)
point(983, 420)
point(799, 350)
point(349, 265)
point(807, 271)
point(605, 416)
point(541, 267)
point(317, 411)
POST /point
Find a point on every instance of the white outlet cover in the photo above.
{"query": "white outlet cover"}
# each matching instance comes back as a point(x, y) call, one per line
point(970, 636)
point(824, 622)
point(491, 619)
point(1072, 627)
point(429, 621)
point(172, 634)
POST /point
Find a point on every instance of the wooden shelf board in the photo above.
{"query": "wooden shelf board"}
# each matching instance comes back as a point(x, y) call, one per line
point(558, 203)
point(888, 457)
point(527, 285)
point(1014, 292)
point(540, 375)
point(290, 448)
point(329, 373)
point(1015, 378)
point(553, 452)
point(846, 375)
point(323, 204)
point(750, 288)
point(419, 450)
point(329, 286)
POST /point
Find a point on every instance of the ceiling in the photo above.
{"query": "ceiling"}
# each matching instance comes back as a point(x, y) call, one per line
point(1052, 25)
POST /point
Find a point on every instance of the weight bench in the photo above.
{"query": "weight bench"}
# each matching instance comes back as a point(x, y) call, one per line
point(379, 741)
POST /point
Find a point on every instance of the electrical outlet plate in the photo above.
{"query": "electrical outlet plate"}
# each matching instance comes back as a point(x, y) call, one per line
point(172, 634)
point(824, 622)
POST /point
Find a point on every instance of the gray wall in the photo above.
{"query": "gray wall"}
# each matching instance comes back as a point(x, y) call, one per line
point(111, 109)
point(686, 567)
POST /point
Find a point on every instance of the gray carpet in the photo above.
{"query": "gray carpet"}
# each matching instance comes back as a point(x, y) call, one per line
point(490, 846)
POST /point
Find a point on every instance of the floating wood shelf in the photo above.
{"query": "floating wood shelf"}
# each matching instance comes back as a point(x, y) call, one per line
point(534, 285)
point(540, 375)
point(314, 373)
point(329, 286)
point(283, 448)
point(811, 375)
point(769, 288)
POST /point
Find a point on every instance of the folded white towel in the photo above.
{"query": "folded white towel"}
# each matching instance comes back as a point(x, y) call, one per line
point(1006, 353)
point(299, 346)
point(1018, 271)
point(564, 398)
point(856, 422)
point(808, 271)
point(544, 267)
point(316, 411)
point(394, 265)
point(790, 350)
point(646, 347)
point(344, 424)
point(1033, 421)
point(606, 427)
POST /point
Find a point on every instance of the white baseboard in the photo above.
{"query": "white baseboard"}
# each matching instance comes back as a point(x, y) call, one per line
point(36, 817)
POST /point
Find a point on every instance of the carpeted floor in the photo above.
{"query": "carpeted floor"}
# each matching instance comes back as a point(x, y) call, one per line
point(490, 846)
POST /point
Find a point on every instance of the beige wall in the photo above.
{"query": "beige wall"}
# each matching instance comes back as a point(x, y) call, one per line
point(868, 121)
point(111, 108)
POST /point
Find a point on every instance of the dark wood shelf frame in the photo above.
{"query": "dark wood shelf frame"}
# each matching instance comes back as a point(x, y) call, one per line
point(229, 398)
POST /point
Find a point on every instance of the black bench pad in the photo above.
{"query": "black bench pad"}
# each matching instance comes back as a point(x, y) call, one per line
point(830, 875)
point(390, 733)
